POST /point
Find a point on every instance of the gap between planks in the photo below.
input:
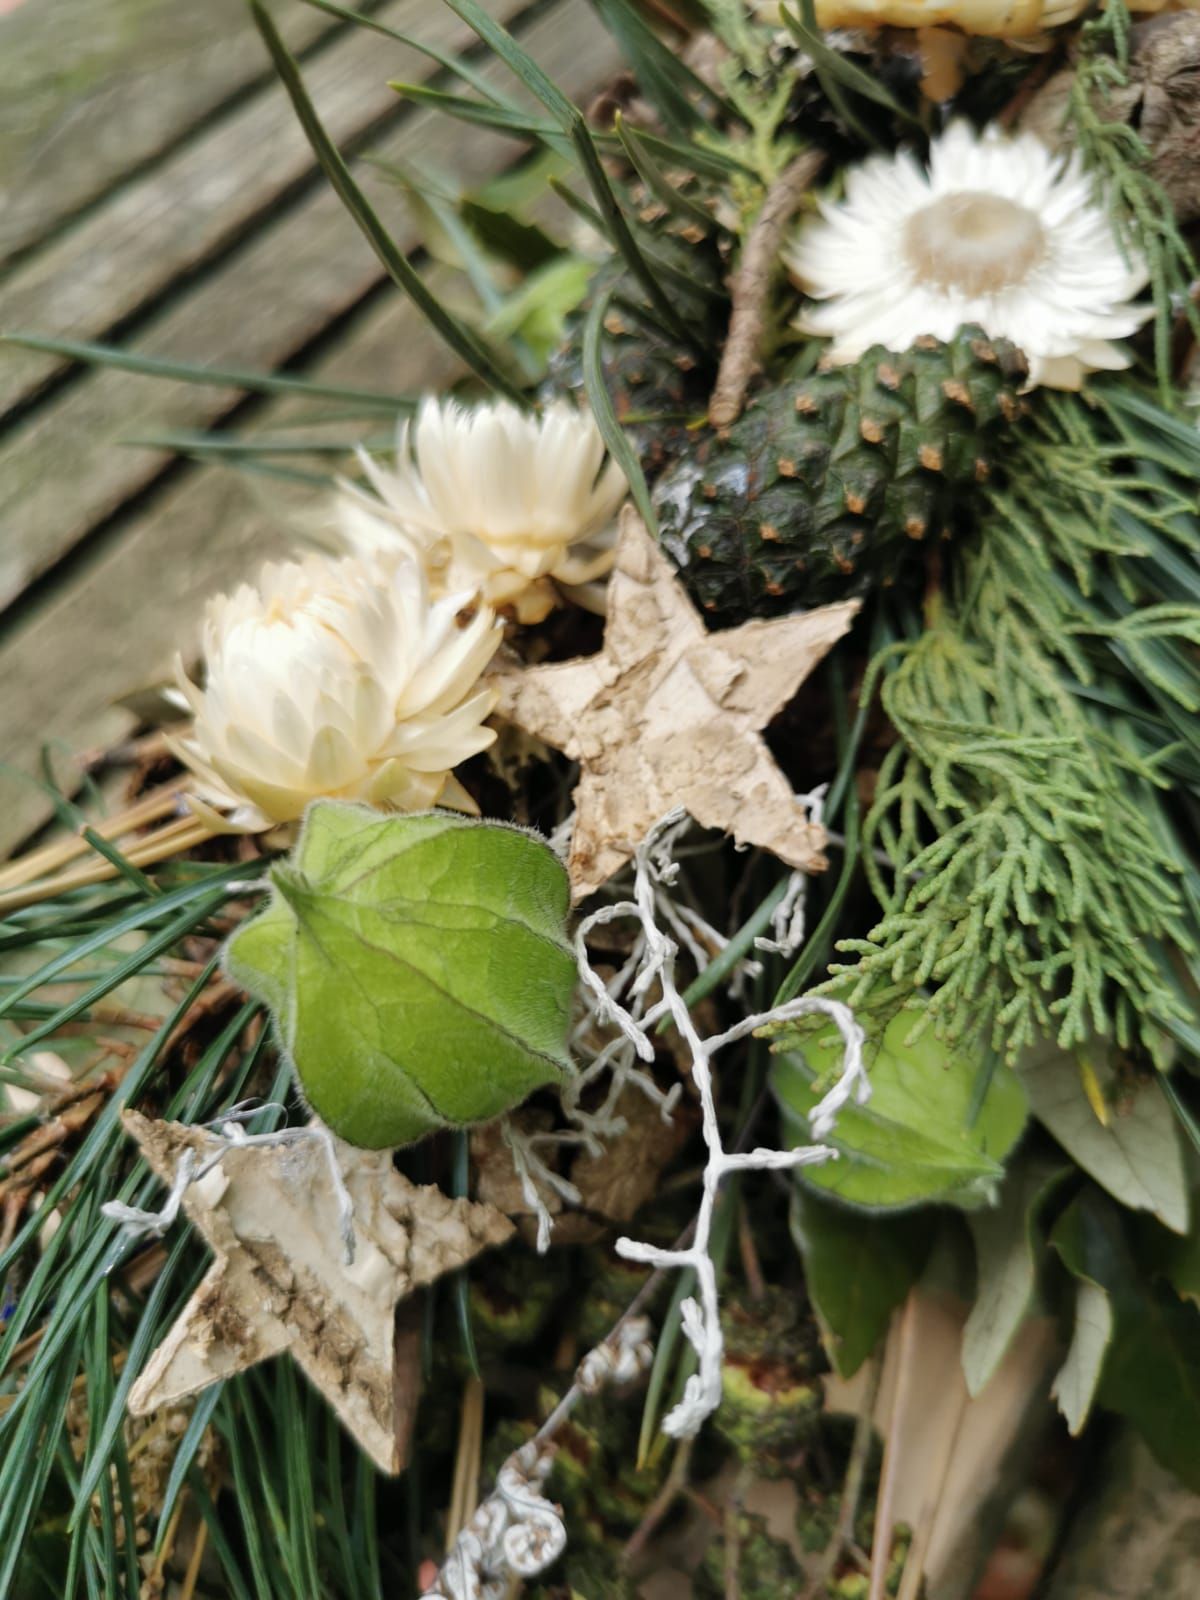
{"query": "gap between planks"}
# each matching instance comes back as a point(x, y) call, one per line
point(66, 469)
point(120, 260)
point(108, 86)
point(137, 599)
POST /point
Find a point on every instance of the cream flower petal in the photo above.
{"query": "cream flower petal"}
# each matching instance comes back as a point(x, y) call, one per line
point(490, 498)
point(336, 678)
point(998, 230)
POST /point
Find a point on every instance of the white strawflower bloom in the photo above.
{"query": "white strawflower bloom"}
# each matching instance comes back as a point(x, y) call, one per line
point(999, 231)
point(337, 678)
point(493, 498)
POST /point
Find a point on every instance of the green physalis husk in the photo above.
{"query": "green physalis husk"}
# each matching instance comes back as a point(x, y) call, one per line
point(926, 1134)
point(417, 968)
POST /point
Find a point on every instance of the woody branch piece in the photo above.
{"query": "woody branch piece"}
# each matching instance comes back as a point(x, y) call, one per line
point(751, 284)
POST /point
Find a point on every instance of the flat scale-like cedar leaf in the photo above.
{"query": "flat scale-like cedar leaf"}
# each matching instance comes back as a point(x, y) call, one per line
point(417, 968)
point(915, 1140)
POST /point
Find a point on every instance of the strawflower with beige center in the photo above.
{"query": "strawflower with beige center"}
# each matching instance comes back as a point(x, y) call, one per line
point(996, 231)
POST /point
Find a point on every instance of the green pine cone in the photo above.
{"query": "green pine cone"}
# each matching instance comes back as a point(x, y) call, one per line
point(655, 389)
point(819, 490)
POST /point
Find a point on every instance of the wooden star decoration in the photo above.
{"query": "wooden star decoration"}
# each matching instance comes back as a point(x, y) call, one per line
point(280, 1280)
point(669, 714)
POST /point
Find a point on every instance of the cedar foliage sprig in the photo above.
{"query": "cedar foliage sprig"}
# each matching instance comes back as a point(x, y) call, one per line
point(1026, 877)
point(1036, 879)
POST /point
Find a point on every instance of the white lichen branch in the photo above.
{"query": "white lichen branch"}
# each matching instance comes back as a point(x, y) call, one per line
point(138, 1224)
point(517, 1533)
point(629, 1004)
point(701, 1317)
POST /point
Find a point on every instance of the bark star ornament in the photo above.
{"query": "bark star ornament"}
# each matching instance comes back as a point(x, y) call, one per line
point(280, 1280)
point(668, 714)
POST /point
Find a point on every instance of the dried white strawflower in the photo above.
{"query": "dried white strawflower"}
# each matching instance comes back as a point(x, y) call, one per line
point(494, 498)
point(999, 231)
point(337, 679)
point(996, 19)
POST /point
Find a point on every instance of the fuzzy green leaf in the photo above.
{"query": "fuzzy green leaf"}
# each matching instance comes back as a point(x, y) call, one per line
point(417, 968)
point(1137, 1156)
point(915, 1140)
point(857, 1271)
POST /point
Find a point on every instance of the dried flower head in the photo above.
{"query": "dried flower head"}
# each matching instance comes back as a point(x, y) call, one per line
point(998, 231)
point(994, 19)
point(337, 678)
point(493, 498)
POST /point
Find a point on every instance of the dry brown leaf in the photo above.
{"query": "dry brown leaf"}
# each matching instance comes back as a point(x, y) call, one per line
point(668, 714)
point(619, 1181)
point(280, 1280)
point(497, 1182)
point(945, 1453)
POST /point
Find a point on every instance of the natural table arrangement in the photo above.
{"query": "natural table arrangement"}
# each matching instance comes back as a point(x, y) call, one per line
point(631, 1024)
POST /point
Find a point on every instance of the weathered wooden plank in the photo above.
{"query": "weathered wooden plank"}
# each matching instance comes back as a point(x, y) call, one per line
point(129, 250)
point(135, 600)
point(91, 89)
point(64, 469)
point(132, 607)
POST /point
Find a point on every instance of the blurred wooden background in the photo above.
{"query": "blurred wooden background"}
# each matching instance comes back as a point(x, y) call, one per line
point(156, 192)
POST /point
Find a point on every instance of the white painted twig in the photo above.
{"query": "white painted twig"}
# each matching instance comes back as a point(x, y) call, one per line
point(228, 1129)
point(517, 1533)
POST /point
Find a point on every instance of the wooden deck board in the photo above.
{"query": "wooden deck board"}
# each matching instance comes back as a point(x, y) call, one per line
point(128, 251)
point(102, 87)
point(66, 468)
point(133, 595)
point(119, 625)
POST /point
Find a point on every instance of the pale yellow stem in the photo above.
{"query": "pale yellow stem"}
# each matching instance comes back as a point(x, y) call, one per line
point(160, 803)
point(172, 840)
point(464, 1492)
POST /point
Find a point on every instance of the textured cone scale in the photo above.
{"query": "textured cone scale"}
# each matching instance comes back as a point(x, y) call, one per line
point(824, 483)
point(655, 388)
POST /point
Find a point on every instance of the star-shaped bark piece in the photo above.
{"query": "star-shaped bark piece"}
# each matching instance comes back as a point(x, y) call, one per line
point(280, 1280)
point(668, 714)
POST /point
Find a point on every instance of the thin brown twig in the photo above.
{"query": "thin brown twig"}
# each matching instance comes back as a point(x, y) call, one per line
point(215, 997)
point(153, 807)
point(843, 1531)
point(464, 1493)
point(733, 1535)
point(656, 1511)
point(733, 1548)
point(66, 1121)
point(167, 1547)
point(756, 1283)
point(192, 1575)
point(751, 284)
point(174, 838)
